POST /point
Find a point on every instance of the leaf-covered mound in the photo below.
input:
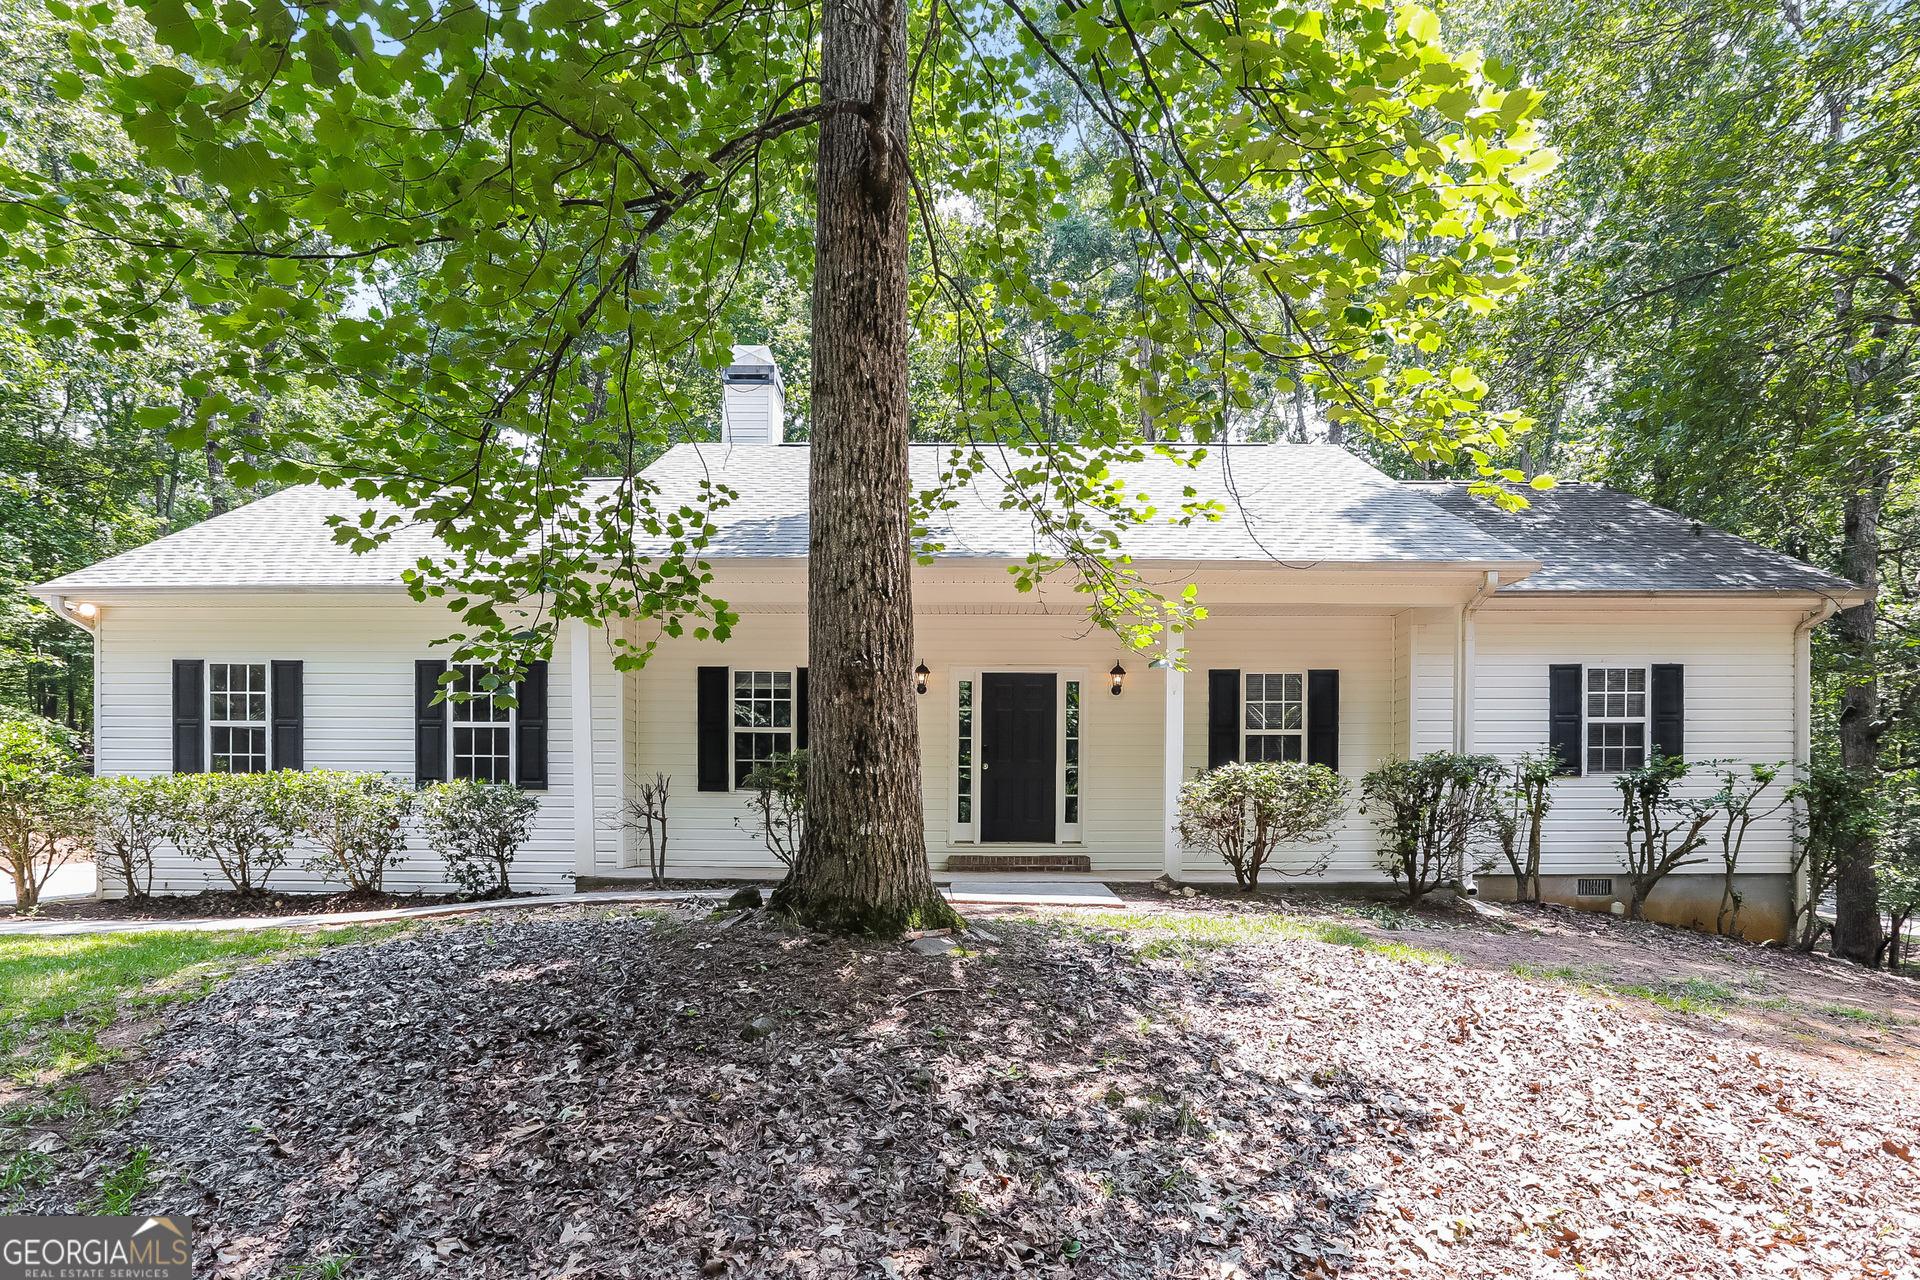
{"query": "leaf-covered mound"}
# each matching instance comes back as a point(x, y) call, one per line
point(1225, 1096)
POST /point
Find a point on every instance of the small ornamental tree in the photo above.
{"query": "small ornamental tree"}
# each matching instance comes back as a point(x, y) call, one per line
point(1739, 807)
point(129, 817)
point(1246, 812)
point(478, 827)
point(1523, 811)
point(1431, 813)
point(42, 805)
point(645, 811)
point(777, 803)
point(357, 822)
point(244, 823)
point(1836, 814)
point(1664, 831)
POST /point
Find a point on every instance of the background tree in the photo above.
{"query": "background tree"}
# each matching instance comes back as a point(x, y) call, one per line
point(1728, 309)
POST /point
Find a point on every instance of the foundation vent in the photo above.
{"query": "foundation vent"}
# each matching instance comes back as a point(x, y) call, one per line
point(1594, 889)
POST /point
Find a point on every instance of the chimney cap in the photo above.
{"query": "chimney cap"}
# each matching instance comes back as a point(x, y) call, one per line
point(753, 364)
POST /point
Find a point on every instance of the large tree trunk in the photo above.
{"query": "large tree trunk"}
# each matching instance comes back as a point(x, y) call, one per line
point(1856, 917)
point(862, 865)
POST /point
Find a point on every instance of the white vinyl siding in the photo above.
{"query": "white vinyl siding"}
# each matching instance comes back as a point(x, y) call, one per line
point(359, 657)
point(1739, 706)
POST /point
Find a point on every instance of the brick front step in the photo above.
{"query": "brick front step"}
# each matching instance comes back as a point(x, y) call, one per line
point(1019, 862)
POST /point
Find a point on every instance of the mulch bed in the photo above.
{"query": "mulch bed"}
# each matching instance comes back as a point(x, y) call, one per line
point(546, 1097)
point(223, 904)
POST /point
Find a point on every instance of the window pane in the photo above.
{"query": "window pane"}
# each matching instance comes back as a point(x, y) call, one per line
point(239, 750)
point(751, 750)
point(1636, 679)
point(963, 798)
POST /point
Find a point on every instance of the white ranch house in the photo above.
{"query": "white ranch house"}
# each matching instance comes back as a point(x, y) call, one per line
point(1353, 619)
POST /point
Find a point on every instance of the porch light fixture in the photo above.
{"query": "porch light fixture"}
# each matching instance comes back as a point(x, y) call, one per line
point(920, 674)
point(1119, 674)
point(86, 609)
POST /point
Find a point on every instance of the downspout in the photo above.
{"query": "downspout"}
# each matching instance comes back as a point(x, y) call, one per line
point(1803, 733)
point(1465, 708)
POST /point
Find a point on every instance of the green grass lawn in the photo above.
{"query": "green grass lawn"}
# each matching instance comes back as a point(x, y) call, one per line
point(58, 994)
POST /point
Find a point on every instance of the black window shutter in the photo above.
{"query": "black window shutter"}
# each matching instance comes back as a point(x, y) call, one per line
point(1563, 715)
point(1669, 709)
point(189, 715)
point(289, 686)
point(800, 709)
point(1223, 717)
point(429, 723)
point(1323, 719)
point(530, 730)
point(711, 686)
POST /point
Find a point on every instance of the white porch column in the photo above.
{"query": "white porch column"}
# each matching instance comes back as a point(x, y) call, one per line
point(580, 663)
point(1174, 761)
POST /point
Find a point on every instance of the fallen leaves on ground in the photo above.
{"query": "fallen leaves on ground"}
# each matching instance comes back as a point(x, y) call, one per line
point(553, 1097)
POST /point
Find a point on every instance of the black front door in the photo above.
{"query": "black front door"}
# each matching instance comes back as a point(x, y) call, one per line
point(1017, 756)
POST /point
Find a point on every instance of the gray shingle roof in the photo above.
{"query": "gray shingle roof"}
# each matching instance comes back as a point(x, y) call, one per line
point(1296, 504)
point(279, 542)
point(1292, 503)
point(1592, 538)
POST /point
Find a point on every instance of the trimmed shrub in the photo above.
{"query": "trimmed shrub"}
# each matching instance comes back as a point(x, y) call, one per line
point(478, 827)
point(1246, 812)
point(43, 816)
point(244, 823)
point(357, 822)
point(130, 818)
point(1431, 813)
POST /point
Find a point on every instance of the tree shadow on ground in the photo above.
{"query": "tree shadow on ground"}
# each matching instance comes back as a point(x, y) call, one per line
point(643, 1096)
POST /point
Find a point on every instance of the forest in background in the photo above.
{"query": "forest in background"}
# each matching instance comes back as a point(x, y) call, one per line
point(1720, 317)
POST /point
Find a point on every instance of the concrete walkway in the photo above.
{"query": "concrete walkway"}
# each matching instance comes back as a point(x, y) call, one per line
point(972, 890)
point(76, 880)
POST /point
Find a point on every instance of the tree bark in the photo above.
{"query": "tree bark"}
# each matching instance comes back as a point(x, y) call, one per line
point(1856, 918)
point(862, 864)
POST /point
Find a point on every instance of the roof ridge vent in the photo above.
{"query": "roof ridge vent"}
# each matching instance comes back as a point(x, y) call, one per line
point(753, 399)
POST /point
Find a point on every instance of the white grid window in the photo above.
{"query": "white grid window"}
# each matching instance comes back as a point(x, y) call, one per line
point(762, 720)
point(1616, 719)
point(237, 716)
point(1276, 716)
point(482, 729)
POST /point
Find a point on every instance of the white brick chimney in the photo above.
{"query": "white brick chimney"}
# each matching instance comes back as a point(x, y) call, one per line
point(753, 400)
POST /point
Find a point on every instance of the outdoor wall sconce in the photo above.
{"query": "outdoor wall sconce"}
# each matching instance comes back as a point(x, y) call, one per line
point(1119, 674)
point(920, 674)
point(86, 609)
